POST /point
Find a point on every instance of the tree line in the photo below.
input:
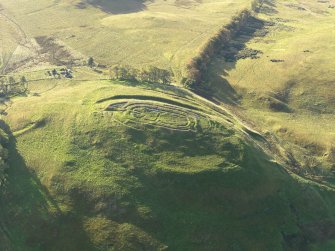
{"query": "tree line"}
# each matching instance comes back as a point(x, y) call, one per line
point(9, 85)
point(150, 74)
point(3, 158)
point(196, 69)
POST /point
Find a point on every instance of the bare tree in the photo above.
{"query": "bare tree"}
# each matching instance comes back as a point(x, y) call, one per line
point(90, 62)
point(24, 82)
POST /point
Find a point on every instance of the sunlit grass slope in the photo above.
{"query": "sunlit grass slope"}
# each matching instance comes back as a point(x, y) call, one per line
point(101, 165)
point(156, 170)
point(288, 88)
point(161, 33)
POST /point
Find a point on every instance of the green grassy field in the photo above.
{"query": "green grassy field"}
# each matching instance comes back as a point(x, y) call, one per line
point(288, 88)
point(119, 32)
point(104, 165)
point(147, 183)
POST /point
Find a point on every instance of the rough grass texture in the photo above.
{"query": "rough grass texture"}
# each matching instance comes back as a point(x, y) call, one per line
point(127, 184)
point(174, 30)
point(110, 165)
point(285, 90)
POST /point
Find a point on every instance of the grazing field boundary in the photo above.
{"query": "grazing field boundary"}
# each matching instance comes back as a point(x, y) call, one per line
point(197, 67)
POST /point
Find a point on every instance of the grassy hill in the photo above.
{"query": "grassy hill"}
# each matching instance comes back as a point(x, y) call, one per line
point(99, 164)
point(280, 74)
point(116, 166)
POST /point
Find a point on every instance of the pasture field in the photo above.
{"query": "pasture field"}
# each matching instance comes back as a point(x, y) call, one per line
point(96, 164)
point(119, 164)
point(288, 87)
point(8, 42)
point(162, 33)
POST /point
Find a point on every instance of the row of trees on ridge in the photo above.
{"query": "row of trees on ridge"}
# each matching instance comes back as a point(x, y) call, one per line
point(151, 74)
point(9, 85)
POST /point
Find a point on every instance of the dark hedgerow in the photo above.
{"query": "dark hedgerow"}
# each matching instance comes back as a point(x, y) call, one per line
point(197, 67)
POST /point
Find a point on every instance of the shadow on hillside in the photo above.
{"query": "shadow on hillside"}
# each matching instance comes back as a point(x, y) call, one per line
point(115, 6)
point(235, 50)
point(161, 88)
point(268, 7)
point(32, 218)
point(196, 202)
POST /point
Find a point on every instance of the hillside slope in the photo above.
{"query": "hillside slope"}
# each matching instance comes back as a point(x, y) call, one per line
point(128, 168)
point(98, 164)
point(118, 32)
point(278, 75)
